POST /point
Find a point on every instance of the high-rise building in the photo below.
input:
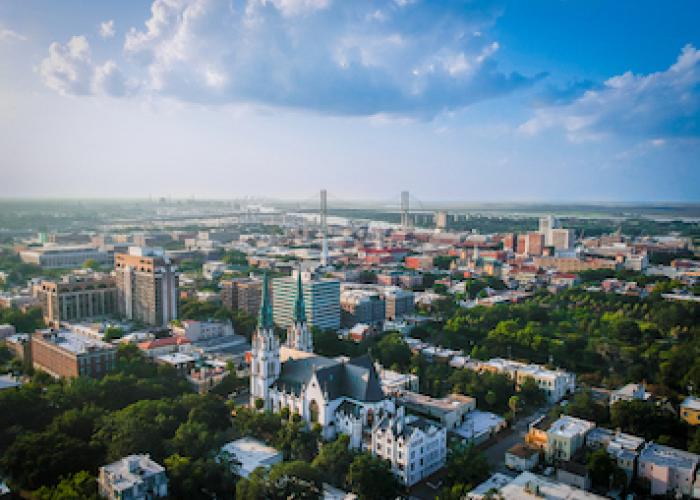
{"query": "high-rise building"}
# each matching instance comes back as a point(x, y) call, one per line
point(147, 286)
point(321, 296)
point(77, 297)
point(362, 306)
point(242, 294)
point(398, 302)
point(531, 243)
point(510, 242)
point(561, 239)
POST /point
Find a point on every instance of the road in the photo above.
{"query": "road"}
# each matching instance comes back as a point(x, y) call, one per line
point(495, 453)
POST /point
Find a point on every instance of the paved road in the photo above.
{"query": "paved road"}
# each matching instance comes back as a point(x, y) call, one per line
point(495, 453)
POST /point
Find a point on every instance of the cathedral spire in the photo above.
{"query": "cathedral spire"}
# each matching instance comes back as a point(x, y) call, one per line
point(299, 307)
point(265, 318)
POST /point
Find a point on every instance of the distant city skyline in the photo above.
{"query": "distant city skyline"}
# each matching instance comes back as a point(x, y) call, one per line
point(581, 101)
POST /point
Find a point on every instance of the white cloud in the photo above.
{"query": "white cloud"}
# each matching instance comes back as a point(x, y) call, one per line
point(69, 69)
point(107, 29)
point(328, 56)
point(7, 35)
point(654, 106)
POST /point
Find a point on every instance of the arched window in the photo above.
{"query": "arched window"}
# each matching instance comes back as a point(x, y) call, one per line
point(370, 417)
point(313, 411)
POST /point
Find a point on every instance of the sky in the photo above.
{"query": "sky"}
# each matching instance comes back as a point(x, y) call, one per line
point(537, 101)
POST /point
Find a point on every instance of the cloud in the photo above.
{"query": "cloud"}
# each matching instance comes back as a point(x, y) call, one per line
point(7, 35)
point(648, 107)
point(69, 69)
point(107, 29)
point(366, 57)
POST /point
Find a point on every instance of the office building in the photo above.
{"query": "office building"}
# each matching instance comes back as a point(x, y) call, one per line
point(398, 302)
point(202, 330)
point(68, 354)
point(361, 306)
point(147, 286)
point(135, 477)
point(242, 294)
point(77, 297)
point(321, 298)
point(668, 470)
point(415, 447)
point(562, 239)
point(531, 243)
point(52, 256)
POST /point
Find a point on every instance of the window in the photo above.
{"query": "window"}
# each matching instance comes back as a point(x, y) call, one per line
point(313, 411)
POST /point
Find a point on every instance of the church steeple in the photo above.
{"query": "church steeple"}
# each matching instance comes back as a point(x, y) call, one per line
point(299, 307)
point(265, 317)
point(298, 335)
point(265, 352)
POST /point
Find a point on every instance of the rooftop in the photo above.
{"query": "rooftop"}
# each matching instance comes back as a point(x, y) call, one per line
point(251, 454)
point(691, 403)
point(568, 427)
point(74, 342)
point(125, 473)
point(447, 404)
point(529, 486)
point(670, 457)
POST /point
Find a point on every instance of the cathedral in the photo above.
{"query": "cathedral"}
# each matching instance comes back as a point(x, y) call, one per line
point(342, 395)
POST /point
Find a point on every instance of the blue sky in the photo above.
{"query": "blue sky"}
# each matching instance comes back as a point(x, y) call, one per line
point(452, 100)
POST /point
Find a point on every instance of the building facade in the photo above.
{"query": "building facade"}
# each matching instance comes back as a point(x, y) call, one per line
point(242, 294)
point(68, 354)
point(415, 447)
point(77, 297)
point(63, 256)
point(321, 296)
point(147, 286)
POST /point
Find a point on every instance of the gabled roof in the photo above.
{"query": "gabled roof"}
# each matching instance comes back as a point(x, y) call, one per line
point(355, 379)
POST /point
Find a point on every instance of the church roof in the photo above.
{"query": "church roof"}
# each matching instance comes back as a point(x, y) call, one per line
point(355, 379)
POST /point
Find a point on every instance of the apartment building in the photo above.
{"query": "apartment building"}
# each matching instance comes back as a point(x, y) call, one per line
point(624, 448)
point(147, 286)
point(68, 354)
point(321, 297)
point(450, 411)
point(565, 437)
point(77, 297)
point(361, 306)
point(202, 330)
point(668, 470)
point(415, 447)
point(555, 383)
point(242, 294)
point(399, 302)
point(135, 477)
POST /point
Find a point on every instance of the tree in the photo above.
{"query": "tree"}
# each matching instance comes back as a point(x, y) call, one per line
point(514, 405)
point(334, 460)
point(79, 486)
point(199, 478)
point(465, 465)
point(392, 351)
point(91, 264)
point(113, 333)
point(371, 478)
point(285, 480)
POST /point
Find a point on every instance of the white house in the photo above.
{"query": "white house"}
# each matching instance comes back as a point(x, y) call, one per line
point(135, 477)
point(415, 447)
